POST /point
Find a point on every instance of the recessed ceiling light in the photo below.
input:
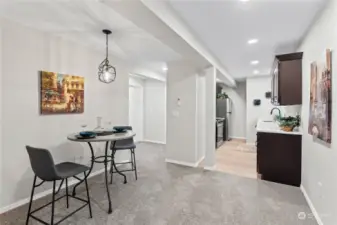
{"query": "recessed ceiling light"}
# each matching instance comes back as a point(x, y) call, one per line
point(244, 0)
point(254, 62)
point(252, 41)
point(256, 72)
point(165, 68)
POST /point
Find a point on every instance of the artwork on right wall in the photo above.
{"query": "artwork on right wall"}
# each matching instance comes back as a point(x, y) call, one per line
point(320, 98)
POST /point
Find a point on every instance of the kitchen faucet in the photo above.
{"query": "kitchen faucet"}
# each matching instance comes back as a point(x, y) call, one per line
point(279, 112)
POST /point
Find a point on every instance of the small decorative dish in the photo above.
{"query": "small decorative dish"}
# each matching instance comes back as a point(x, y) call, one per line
point(86, 135)
point(120, 129)
point(82, 137)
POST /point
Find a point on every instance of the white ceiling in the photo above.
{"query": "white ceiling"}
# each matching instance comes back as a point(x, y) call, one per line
point(83, 20)
point(225, 26)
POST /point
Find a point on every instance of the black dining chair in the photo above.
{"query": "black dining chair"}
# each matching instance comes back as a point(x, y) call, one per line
point(44, 168)
point(126, 144)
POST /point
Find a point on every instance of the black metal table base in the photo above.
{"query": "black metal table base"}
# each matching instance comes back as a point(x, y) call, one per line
point(102, 159)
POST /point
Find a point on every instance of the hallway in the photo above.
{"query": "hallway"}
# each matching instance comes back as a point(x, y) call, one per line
point(236, 157)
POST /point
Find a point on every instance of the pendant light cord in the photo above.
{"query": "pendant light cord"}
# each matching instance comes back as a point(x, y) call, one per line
point(107, 46)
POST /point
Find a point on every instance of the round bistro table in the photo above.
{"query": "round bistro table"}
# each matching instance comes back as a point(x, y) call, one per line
point(111, 138)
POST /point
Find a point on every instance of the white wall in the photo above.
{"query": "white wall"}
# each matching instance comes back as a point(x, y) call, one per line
point(256, 89)
point(201, 116)
point(185, 87)
point(237, 120)
point(210, 76)
point(319, 161)
point(136, 107)
point(1, 123)
point(25, 52)
point(155, 111)
point(181, 138)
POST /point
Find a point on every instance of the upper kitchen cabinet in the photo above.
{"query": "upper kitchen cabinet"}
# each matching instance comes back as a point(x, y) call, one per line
point(287, 79)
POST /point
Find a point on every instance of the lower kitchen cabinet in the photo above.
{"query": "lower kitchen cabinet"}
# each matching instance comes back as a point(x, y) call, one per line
point(279, 157)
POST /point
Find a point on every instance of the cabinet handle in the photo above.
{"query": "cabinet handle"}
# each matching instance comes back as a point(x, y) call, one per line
point(276, 101)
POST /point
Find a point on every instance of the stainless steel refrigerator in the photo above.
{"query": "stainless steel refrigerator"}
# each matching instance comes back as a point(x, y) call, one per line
point(224, 110)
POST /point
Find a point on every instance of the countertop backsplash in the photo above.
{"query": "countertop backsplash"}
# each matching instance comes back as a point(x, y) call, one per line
point(290, 110)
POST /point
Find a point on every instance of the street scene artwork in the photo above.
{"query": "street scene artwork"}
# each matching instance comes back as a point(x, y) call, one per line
point(61, 93)
point(320, 98)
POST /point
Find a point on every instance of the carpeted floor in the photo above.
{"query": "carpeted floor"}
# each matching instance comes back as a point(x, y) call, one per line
point(171, 194)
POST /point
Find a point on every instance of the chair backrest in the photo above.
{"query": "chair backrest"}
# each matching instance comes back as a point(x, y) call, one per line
point(42, 163)
point(128, 128)
point(125, 141)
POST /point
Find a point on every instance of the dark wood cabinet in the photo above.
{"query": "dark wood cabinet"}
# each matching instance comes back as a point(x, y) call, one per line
point(287, 79)
point(279, 158)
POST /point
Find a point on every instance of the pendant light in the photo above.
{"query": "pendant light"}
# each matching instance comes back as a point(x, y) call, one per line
point(106, 72)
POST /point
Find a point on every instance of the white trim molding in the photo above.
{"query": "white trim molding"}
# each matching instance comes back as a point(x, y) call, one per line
point(241, 138)
point(312, 207)
point(182, 163)
point(200, 160)
point(211, 168)
point(154, 142)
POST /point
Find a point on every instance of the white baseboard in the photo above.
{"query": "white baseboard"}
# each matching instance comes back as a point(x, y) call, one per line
point(200, 160)
point(312, 207)
point(181, 163)
point(154, 142)
point(241, 138)
point(211, 168)
point(44, 193)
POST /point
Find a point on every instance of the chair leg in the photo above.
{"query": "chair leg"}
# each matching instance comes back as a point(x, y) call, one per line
point(134, 161)
point(89, 202)
point(67, 193)
point(53, 203)
point(131, 159)
point(111, 169)
point(31, 201)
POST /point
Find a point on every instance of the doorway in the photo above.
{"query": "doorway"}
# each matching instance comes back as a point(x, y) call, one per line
point(136, 111)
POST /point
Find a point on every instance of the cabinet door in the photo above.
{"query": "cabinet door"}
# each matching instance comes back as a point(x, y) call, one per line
point(265, 153)
point(257, 155)
point(280, 158)
point(290, 82)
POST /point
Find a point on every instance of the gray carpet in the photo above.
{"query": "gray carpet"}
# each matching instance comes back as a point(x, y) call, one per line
point(171, 194)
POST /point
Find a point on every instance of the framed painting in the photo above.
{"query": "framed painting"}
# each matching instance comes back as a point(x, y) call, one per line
point(321, 98)
point(61, 93)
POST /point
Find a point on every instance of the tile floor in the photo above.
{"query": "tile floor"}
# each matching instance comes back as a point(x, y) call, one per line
point(237, 157)
point(167, 194)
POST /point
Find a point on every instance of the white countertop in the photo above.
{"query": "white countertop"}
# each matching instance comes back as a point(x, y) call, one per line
point(266, 126)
